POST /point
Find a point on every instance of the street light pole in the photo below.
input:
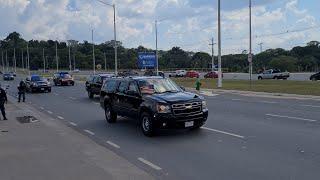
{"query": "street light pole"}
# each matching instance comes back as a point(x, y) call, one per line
point(70, 66)
point(250, 44)
point(115, 40)
point(93, 56)
point(44, 61)
point(2, 61)
point(105, 61)
point(7, 64)
point(57, 61)
point(219, 47)
point(157, 59)
point(212, 48)
point(14, 60)
point(22, 63)
point(28, 60)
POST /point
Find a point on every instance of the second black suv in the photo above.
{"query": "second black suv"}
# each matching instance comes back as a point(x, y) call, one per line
point(94, 83)
point(37, 83)
point(157, 102)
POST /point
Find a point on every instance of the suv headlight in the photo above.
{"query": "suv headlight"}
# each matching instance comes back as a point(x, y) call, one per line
point(161, 108)
point(204, 105)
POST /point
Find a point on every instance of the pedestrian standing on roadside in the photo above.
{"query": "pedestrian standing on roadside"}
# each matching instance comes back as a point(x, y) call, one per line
point(198, 85)
point(22, 88)
point(3, 100)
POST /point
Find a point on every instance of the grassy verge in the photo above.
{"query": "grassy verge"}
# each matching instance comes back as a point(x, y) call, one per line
point(272, 86)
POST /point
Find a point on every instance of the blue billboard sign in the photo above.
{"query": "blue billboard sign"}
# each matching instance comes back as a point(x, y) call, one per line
point(147, 60)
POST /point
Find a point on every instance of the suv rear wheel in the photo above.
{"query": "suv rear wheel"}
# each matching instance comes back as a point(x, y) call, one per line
point(90, 94)
point(110, 115)
point(147, 124)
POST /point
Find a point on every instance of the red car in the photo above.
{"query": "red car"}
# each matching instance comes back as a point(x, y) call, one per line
point(193, 74)
point(213, 74)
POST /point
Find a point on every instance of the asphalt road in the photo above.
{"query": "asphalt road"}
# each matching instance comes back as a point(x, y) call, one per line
point(244, 138)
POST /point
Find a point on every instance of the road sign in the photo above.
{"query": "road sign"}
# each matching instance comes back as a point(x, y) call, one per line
point(250, 58)
point(146, 60)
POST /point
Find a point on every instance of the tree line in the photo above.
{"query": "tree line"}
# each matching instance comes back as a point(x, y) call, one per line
point(298, 59)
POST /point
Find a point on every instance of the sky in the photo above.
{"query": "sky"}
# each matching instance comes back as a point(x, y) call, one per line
point(189, 24)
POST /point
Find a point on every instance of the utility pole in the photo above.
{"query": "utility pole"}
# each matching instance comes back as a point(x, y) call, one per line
point(93, 56)
point(22, 63)
point(44, 61)
point(7, 64)
point(14, 60)
point(105, 62)
point(250, 44)
point(57, 61)
point(260, 44)
point(115, 40)
point(157, 60)
point(70, 66)
point(28, 60)
point(219, 47)
point(212, 48)
point(2, 61)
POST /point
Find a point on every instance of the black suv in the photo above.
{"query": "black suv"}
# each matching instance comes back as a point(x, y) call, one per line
point(63, 78)
point(94, 83)
point(157, 102)
point(315, 77)
point(37, 83)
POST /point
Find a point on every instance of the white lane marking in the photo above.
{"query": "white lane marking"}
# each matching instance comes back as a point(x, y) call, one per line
point(150, 164)
point(42, 108)
point(73, 124)
point(113, 144)
point(56, 94)
point(269, 102)
point(50, 112)
point(305, 105)
point(89, 132)
point(290, 117)
point(72, 98)
point(223, 132)
point(236, 99)
point(96, 103)
point(60, 117)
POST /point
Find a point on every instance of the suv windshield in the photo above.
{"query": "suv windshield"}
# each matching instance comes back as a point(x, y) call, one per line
point(65, 75)
point(151, 86)
point(37, 78)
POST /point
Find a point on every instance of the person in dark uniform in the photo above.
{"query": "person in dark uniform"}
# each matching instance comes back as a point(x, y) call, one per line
point(3, 100)
point(22, 88)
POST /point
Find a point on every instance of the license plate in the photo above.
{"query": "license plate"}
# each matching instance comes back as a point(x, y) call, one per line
point(42, 89)
point(189, 124)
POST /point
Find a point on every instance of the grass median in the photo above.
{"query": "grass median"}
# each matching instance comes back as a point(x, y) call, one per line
point(271, 86)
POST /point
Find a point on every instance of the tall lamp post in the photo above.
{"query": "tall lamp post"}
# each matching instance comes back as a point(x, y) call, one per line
point(115, 35)
point(250, 44)
point(219, 47)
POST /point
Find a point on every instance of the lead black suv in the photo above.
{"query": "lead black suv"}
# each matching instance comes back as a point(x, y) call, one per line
point(157, 102)
point(36, 83)
point(94, 83)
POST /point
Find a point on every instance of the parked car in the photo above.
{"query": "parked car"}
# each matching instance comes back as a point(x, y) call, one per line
point(63, 78)
point(154, 73)
point(8, 77)
point(157, 102)
point(76, 71)
point(94, 83)
point(13, 73)
point(192, 74)
point(315, 77)
point(128, 73)
point(36, 83)
point(178, 73)
point(273, 74)
point(212, 74)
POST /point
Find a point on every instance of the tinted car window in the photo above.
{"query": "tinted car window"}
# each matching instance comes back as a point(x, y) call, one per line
point(111, 86)
point(123, 86)
point(133, 87)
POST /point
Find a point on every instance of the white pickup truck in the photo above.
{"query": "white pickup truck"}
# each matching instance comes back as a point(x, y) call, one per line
point(273, 74)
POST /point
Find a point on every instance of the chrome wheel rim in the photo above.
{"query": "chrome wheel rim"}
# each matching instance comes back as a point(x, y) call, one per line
point(146, 123)
point(108, 113)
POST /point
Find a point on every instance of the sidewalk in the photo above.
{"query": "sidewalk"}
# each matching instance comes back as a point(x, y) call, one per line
point(49, 150)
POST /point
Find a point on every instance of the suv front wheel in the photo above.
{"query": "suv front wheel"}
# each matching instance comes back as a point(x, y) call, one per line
point(147, 124)
point(110, 115)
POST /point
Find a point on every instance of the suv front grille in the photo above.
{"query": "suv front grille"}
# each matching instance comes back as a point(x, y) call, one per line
point(187, 108)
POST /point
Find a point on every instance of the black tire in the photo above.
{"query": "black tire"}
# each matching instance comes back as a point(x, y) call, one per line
point(110, 115)
point(90, 95)
point(72, 84)
point(49, 90)
point(195, 128)
point(260, 78)
point(313, 79)
point(147, 124)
